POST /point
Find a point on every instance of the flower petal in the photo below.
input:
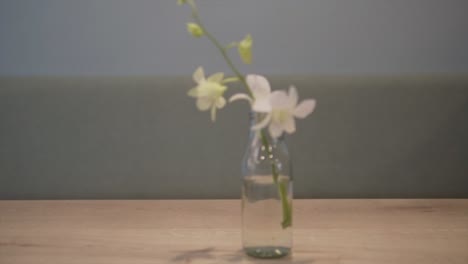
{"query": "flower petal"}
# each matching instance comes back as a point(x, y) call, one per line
point(199, 75)
point(262, 105)
point(217, 77)
point(262, 123)
point(275, 129)
point(204, 103)
point(240, 96)
point(259, 86)
point(221, 102)
point(279, 100)
point(293, 97)
point(289, 125)
point(193, 92)
point(305, 108)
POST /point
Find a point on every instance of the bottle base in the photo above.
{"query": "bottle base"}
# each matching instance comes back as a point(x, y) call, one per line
point(267, 252)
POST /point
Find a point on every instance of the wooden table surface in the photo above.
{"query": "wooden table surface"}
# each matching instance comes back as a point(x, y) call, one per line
point(208, 231)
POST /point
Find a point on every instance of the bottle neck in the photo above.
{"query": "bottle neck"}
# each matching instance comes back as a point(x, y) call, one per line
point(263, 151)
point(256, 135)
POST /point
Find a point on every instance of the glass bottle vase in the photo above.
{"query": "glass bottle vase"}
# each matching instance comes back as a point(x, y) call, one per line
point(266, 195)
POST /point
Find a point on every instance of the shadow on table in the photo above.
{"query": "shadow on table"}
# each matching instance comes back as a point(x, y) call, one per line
point(239, 256)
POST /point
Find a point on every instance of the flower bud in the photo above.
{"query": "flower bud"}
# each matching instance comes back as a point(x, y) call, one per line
point(195, 30)
point(245, 49)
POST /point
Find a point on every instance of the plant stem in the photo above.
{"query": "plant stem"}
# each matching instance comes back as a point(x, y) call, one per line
point(282, 188)
point(287, 212)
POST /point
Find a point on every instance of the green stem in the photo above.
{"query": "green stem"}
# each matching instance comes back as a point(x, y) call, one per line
point(282, 188)
point(287, 212)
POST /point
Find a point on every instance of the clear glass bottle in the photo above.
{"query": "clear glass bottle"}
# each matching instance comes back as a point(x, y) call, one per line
point(266, 196)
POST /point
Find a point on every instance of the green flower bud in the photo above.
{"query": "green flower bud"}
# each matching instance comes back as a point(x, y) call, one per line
point(195, 30)
point(245, 49)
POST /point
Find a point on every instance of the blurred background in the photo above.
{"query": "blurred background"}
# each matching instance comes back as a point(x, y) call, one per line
point(148, 37)
point(93, 97)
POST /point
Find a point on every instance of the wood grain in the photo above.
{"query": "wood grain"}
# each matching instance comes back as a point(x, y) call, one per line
point(207, 231)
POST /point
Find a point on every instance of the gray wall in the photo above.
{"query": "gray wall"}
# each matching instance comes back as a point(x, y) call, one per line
point(115, 37)
point(143, 138)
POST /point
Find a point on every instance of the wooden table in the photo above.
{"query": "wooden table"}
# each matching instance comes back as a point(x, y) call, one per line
point(207, 231)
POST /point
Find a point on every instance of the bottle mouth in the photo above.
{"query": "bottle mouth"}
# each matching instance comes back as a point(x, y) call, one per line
point(256, 117)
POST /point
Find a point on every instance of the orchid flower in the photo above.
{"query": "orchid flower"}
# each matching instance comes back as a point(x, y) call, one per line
point(284, 110)
point(209, 91)
point(281, 108)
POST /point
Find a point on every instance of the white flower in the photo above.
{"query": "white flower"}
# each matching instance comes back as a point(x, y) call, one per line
point(284, 110)
point(281, 108)
point(209, 91)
